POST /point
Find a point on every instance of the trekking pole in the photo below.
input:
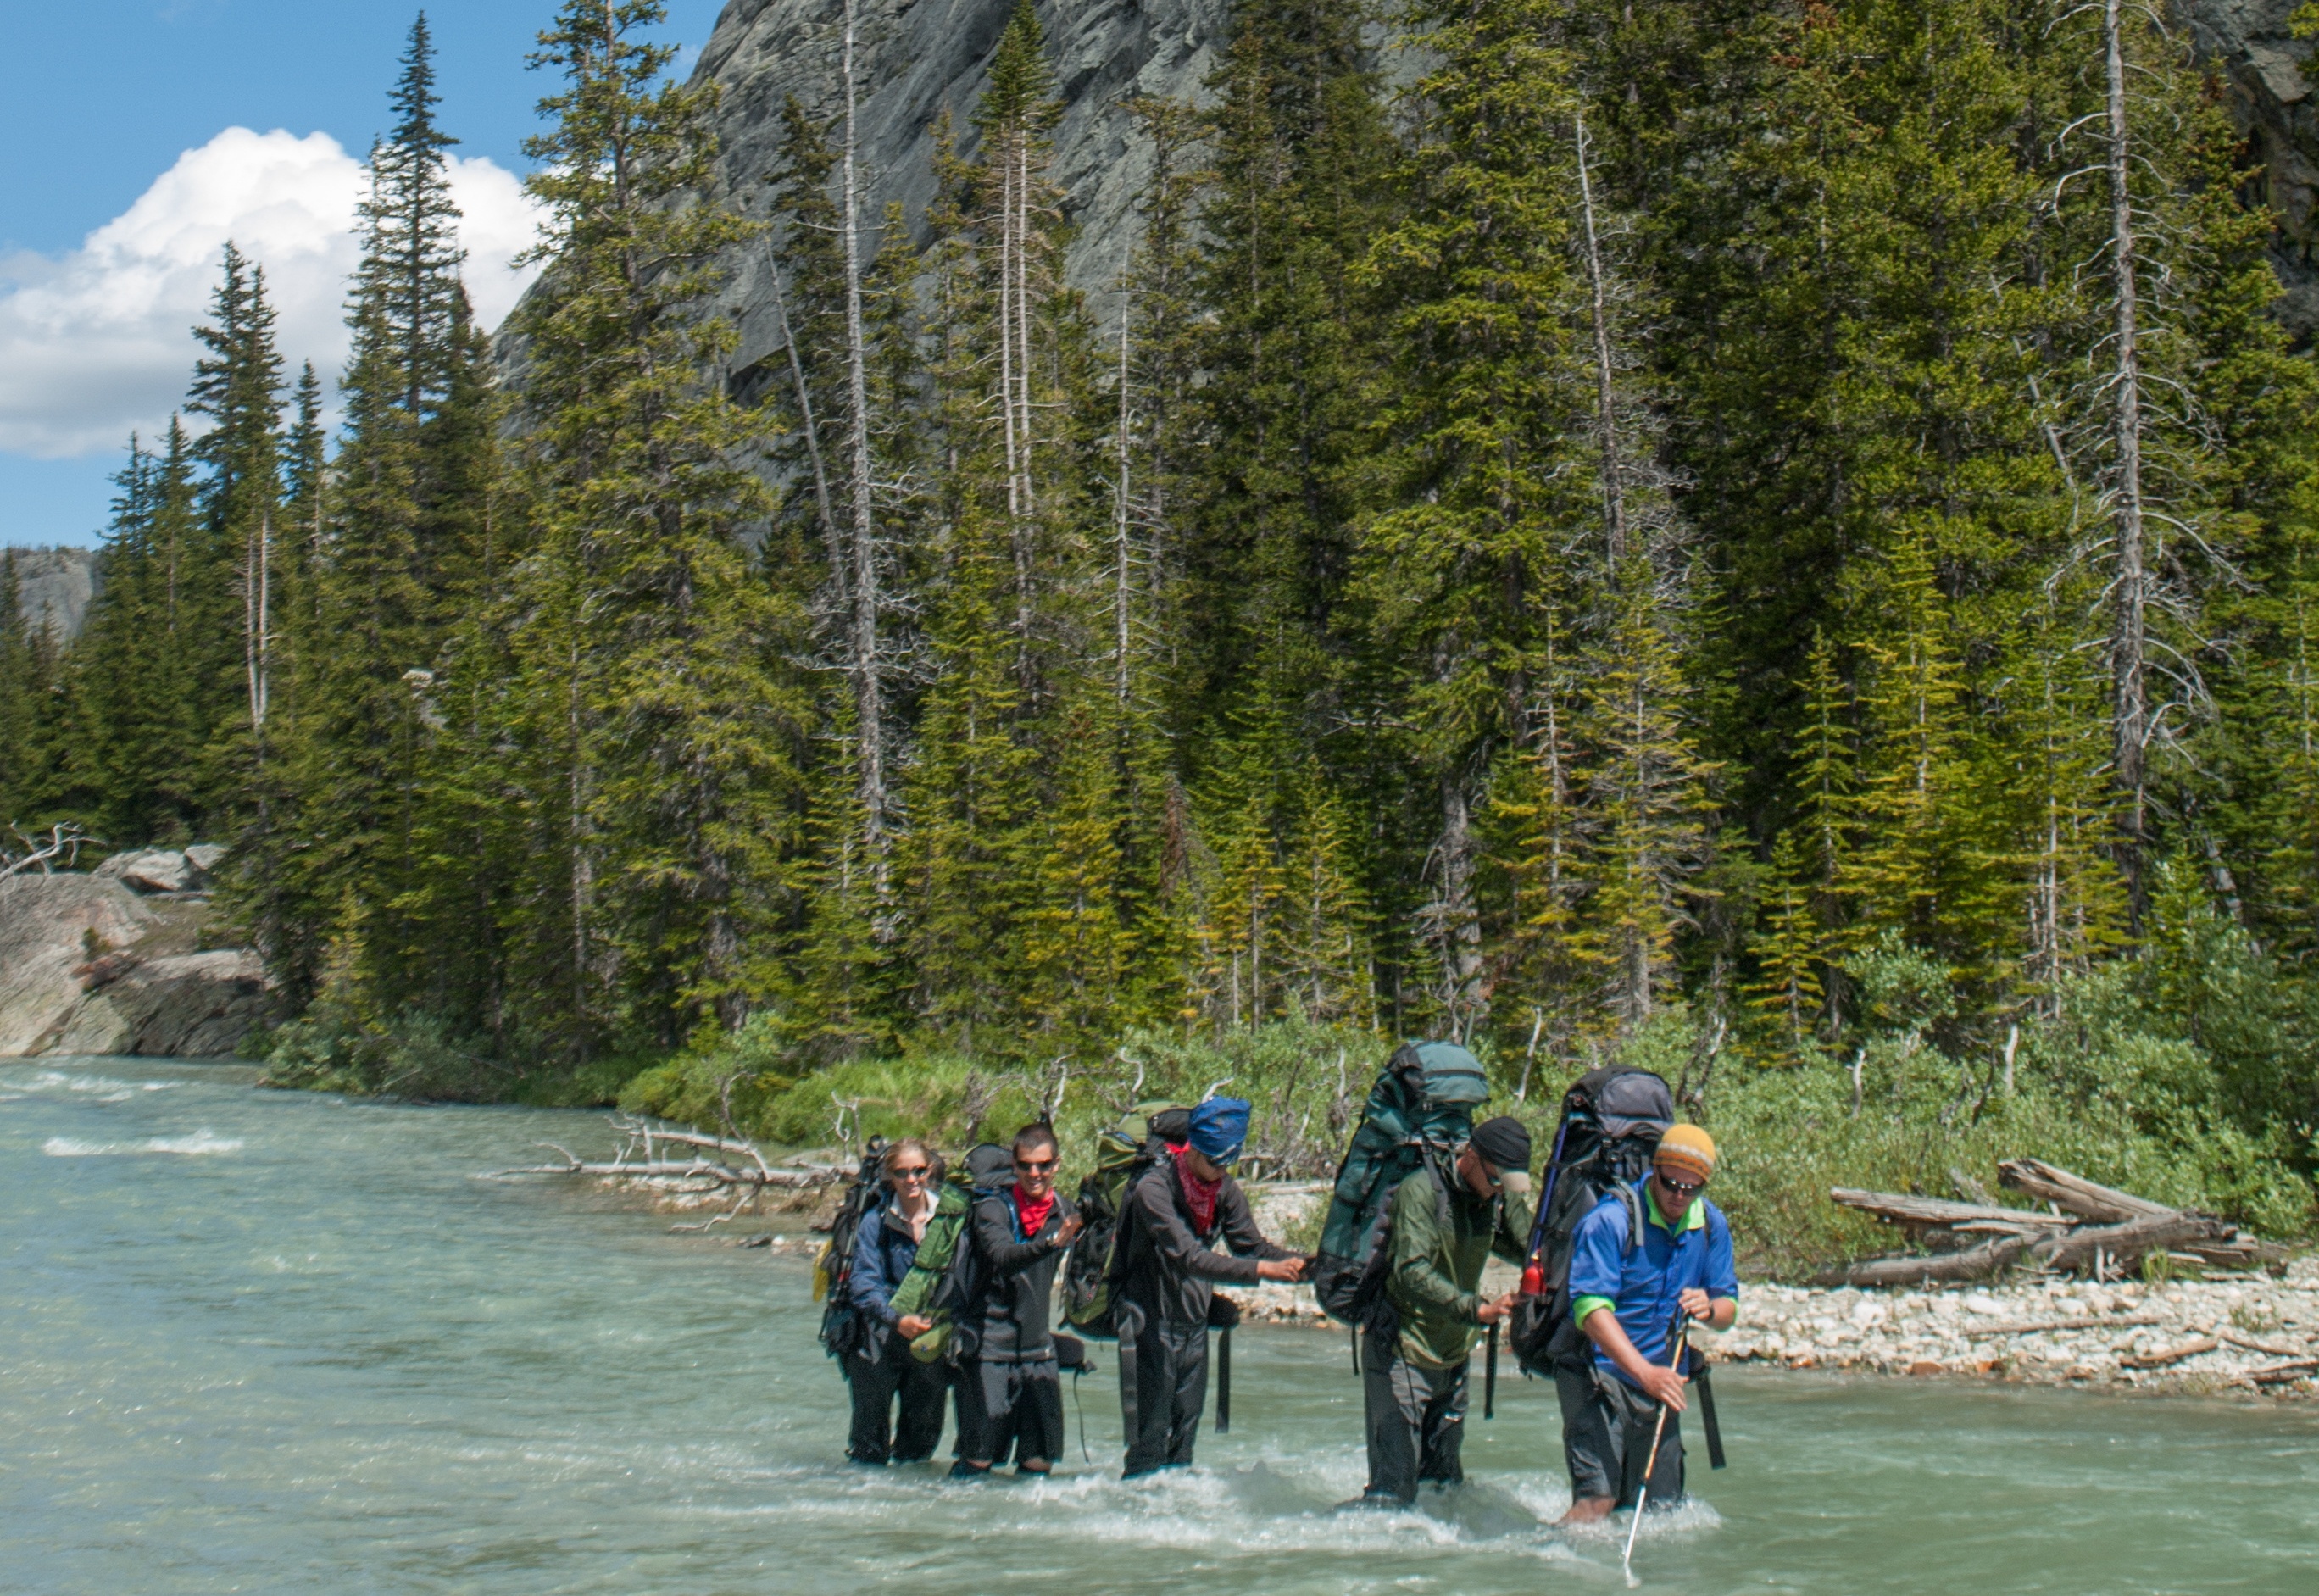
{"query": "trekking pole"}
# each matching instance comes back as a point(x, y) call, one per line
point(1489, 1376)
point(1224, 1382)
point(1643, 1497)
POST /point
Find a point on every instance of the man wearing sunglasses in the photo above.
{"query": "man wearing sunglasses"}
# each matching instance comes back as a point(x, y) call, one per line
point(1628, 1293)
point(1009, 1375)
point(1413, 1360)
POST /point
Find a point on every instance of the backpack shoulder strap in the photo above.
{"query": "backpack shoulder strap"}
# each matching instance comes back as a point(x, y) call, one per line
point(1632, 1200)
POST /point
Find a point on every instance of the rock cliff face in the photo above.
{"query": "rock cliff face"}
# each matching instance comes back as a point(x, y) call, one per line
point(88, 966)
point(2272, 75)
point(54, 586)
point(919, 58)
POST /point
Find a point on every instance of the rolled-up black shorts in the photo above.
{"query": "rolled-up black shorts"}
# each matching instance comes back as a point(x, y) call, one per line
point(1606, 1438)
point(1014, 1407)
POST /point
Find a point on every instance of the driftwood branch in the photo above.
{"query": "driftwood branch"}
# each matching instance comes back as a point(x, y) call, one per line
point(2103, 1205)
point(2039, 1326)
point(2124, 1246)
point(2159, 1360)
point(1906, 1209)
point(1979, 1263)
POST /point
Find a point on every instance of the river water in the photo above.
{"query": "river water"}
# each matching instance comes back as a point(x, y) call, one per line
point(281, 1342)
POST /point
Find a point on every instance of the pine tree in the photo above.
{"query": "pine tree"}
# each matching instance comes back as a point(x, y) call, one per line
point(674, 770)
point(223, 581)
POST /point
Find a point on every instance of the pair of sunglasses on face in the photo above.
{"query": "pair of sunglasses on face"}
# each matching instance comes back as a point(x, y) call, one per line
point(914, 1172)
point(1680, 1188)
point(1035, 1166)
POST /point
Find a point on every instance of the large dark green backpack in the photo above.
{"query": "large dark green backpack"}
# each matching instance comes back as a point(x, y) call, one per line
point(1095, 1269)
point(1419, 1112)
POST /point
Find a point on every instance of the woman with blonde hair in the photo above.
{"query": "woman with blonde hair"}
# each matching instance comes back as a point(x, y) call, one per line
point(881, 1369)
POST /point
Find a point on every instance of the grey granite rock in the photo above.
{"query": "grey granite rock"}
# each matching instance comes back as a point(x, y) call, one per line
point(2271, 77)
point(87, 966)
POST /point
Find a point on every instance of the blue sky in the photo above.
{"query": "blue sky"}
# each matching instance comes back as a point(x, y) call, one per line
point(122, 182)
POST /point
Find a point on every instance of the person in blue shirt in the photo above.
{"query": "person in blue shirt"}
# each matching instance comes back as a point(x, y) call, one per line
point(881, 1369)
point(1628, 1299)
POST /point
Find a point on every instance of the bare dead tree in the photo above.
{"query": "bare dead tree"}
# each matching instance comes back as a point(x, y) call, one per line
point(2129, 621)
point(864, 660)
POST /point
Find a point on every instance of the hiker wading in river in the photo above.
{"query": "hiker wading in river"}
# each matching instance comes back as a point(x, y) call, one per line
point(1414, 1359)
point(881, 1368)
point(1175, 1215)
point(1628, 1292)
point(1010, 1386)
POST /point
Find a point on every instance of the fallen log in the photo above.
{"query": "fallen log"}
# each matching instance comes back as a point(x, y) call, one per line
point(2086, 1322)
point(2124, 1246)
point(1979, 1263)
point(2159, 1360)
point(2267, 1349)
point(2276, 1373)
point(2035, 1178)
point(1902, 1208)
point(696, 1169)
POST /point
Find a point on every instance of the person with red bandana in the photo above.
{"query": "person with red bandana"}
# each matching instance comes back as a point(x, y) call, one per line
point(1175, 1217)
point(1010, 1390)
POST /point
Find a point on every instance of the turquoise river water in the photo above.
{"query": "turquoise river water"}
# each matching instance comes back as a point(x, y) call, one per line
point(278, 1342)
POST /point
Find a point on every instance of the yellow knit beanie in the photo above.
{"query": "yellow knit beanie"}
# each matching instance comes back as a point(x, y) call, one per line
point(1687, 1152)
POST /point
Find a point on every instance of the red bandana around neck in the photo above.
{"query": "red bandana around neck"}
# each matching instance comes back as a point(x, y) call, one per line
point(1034, 1218)
point(1199, 1195)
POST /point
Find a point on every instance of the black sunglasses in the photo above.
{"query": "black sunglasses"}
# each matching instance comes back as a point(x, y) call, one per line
point(1682, 1188)
point(913, 1172)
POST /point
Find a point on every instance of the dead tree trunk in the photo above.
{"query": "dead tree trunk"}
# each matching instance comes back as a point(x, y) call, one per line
point(868, 686)
point(2129, 594)
point(1614, 494)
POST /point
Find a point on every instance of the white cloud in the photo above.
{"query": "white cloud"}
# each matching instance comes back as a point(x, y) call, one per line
point(99, 342)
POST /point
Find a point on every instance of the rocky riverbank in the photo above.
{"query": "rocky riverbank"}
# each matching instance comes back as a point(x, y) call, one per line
point(2250, 1333)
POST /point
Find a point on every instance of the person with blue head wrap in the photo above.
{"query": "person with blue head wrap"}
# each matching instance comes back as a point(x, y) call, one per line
point(1219, 1128)
point(1185, 1229)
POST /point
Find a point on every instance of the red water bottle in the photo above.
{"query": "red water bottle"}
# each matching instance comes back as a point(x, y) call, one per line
point(1533, 1280)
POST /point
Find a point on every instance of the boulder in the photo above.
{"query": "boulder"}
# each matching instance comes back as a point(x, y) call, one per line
point(152, 869)
point(86, 966)
point(191, 1005)
point(205, 857)
point(49, 927)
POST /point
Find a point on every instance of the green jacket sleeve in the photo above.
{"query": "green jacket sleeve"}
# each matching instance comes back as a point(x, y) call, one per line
point(1417, 1248)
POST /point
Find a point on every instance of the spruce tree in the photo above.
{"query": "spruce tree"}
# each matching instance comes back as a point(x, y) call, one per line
point(668, 737)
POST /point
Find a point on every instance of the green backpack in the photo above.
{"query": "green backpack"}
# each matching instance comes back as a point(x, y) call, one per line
point(936, 1284)
point(1421, 1109)
point(1123, 1153)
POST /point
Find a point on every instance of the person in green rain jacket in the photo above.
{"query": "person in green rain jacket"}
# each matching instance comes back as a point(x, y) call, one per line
point(1414, 1358)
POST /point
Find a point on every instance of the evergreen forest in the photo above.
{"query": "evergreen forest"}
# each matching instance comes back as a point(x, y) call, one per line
point(1774, 540)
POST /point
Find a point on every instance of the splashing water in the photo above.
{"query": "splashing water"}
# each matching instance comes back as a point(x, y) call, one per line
point(313, 1352)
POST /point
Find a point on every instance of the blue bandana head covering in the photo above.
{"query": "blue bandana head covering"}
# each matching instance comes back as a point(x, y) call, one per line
point(1218, 1126)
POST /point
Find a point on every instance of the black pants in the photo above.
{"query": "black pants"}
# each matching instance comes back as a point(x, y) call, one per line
point(1010, 1407)
point(1416, 1419)
point(1162, 1404)
point(880, 1371)
point(1606, 1438)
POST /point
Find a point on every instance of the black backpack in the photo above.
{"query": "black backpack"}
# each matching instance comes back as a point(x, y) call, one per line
point(1611, 1123)
point(1097, 1264)
point(833, 1270)
point(1420, 1111)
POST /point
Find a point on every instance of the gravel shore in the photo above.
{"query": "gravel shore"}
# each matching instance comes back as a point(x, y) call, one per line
point(2244, 1333)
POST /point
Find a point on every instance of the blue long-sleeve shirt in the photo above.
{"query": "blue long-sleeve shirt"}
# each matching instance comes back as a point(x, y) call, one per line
point(882, 1254)
point(1645, 1286)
